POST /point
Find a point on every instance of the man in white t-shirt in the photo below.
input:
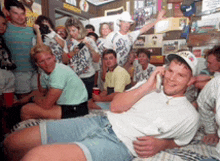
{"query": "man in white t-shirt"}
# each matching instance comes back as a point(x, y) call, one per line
point(121, 41)
point(142, 122)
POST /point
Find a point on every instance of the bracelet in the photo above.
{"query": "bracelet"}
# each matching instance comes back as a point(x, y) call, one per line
point(69, 56)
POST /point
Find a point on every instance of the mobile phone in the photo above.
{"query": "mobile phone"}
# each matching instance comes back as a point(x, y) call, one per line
point(158, 83)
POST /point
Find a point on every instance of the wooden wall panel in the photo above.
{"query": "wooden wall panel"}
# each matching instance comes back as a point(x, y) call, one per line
point(113, 5)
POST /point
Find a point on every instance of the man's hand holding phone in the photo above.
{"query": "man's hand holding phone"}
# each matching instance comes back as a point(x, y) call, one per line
point(155, 80)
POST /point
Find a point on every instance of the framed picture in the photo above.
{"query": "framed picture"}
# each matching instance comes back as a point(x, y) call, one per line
point(199, 52)
point(114, 11)
point(154, 41)
point(144, 10)
point(172, 46)
point(140, 42)
point(170, 24)
point(158, 59)
point(72, 2)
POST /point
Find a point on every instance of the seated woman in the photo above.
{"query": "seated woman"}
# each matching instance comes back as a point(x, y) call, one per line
point(64, 93)
point(144, 69)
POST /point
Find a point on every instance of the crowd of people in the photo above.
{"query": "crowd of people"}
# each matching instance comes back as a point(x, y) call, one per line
point(52, 72)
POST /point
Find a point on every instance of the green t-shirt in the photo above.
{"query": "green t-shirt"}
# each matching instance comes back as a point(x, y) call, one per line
point(64, 78)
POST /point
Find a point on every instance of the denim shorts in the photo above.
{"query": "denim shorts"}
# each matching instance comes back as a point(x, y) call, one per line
point(93, 135)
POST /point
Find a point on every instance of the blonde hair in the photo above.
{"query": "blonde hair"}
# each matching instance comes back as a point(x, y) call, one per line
point(39, 48)
point(77, 24)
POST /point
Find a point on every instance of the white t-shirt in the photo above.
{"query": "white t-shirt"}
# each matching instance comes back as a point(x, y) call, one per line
point(140, 74)
point(7, 81)
point(159, 116)
point(82, 62)
point(121, 44)
point(57, 50)
point(100, 44)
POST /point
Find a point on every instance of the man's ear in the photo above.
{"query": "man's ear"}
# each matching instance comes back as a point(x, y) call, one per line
point(191, 81)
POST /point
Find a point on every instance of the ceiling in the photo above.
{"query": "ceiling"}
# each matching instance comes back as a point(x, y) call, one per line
point(99, 2)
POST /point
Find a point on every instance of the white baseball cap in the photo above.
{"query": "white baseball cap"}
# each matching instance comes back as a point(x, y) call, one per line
point(125, 16)
point(188, 57)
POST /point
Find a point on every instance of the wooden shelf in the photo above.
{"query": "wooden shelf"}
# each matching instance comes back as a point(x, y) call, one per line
point(203, 39)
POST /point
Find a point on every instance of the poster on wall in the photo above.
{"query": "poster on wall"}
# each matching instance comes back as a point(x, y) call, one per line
point(149, 41)
point(200, 52)
point(84, 5)
point(140, 42)
point(115, 11)
point(72, 2)
point(172, 46)
point(171, 24)
point(154, 41)
point(144, 11)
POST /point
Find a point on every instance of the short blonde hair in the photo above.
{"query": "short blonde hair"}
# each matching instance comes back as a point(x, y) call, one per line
point(77, 24)
point(39, 48)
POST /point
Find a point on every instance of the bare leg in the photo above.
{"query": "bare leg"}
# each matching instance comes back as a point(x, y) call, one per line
point(92, 105)
point(55, 152)
point(20, 142)
point(33, 111)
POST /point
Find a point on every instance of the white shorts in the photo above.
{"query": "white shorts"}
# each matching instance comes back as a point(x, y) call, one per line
point(25, 82)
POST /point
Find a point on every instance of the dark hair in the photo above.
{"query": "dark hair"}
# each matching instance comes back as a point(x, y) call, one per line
point(214, 51)
point(179, 59)
point(14, 3)
point(89, 26)
point(109, 51)
point(145, 51)
point(93, 34)
point(41, 18)
point(2, 14)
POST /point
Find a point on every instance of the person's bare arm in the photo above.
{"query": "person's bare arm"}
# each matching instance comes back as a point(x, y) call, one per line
point(50, 99)
point(211, 139)
point(202, 80)
point(148, 146)
point(38, 34)
point(60, 41)
point(149, 26)
point(124, 101)
point(67, 56)
point(104, 98)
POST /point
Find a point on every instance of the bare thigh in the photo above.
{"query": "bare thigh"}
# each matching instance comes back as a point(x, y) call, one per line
point(33, 111)
point(56, 152)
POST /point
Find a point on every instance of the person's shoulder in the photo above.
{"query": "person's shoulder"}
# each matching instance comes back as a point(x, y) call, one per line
point(151, 65)
point(119, 69)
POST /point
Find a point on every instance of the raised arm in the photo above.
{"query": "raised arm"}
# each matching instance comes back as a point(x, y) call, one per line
point(38, 34)
point(124, 101)
point(149, 26)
